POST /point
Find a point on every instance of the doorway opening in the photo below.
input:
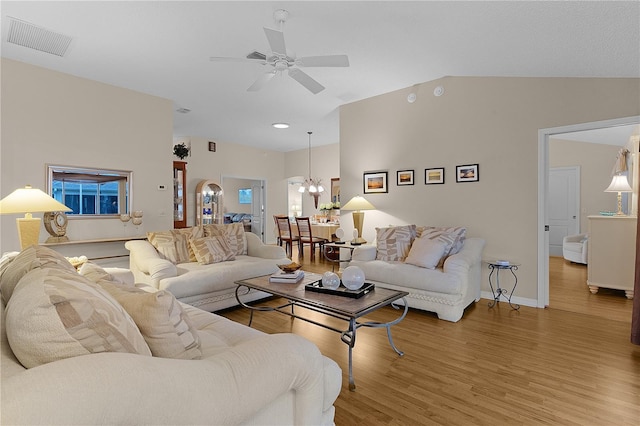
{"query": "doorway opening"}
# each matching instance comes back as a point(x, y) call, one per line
point(245, 197)
point(543, 193)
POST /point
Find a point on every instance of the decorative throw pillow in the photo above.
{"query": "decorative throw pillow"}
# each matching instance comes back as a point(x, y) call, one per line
point(174, 244)
point(425, 253)
point(233, 231)
point(212, 249)
point(394, 243)
point(55, 314)
point(452, 237)
point(28, 259)
point(163, 323)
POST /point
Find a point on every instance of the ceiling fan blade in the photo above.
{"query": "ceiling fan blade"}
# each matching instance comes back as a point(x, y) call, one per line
point(225, 59)
point(276, 40)
point(261, 81)
point(324, 61)
point(304, 79)
point(257, 55)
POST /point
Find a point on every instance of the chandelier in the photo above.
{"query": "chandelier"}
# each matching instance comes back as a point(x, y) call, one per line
point(310, 185)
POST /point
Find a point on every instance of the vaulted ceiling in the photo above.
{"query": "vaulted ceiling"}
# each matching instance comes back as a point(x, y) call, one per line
point(163, 48)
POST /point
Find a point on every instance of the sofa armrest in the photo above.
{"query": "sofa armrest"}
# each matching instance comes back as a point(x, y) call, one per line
point(144, 258)
point(469, 256)
point(579, 238)
point(364, 253)
point(256, 248)
point(119, 388)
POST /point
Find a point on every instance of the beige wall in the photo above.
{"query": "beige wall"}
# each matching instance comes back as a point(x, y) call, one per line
point(490, 121)
point(50, 117)
point(595, 162)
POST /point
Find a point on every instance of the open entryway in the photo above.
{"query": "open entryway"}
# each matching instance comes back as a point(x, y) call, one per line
point(564, 206)
point(246, 198)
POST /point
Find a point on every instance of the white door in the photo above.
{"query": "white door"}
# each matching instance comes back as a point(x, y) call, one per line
point(564, 206)
point(257, 209)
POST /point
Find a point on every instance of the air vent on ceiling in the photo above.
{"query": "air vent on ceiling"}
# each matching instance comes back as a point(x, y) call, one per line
point(28, 35)
point(183, 110)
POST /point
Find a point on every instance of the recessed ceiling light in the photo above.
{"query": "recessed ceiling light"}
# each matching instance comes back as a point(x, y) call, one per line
point(280, 125)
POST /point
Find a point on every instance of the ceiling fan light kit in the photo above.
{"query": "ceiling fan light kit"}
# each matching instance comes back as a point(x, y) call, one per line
point(280, 61)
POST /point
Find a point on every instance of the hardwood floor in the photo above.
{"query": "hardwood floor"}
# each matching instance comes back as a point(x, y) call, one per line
point(564, 365)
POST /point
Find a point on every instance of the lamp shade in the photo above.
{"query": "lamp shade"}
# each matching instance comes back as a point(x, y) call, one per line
point(30, 200)
point(358, 203)
point(619, 183)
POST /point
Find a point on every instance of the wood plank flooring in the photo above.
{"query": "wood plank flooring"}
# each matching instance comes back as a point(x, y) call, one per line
point(565, 365)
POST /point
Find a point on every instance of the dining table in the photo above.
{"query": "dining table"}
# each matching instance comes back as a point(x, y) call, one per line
point(320, 230)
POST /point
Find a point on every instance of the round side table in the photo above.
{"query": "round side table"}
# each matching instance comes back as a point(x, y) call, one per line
point(495, 266)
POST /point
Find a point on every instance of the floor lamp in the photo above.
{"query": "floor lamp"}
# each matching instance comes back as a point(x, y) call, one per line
point(619, 184)
point(358, 204)
point(29, 200)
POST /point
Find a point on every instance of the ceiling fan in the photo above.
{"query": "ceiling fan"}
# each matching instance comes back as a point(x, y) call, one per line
point(280, 61)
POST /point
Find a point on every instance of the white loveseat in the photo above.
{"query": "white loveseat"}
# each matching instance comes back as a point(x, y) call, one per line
point(446, 284)
point(207, 286)
point(234, 375)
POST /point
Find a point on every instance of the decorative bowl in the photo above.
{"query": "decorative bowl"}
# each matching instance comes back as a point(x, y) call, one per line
point(290, 267)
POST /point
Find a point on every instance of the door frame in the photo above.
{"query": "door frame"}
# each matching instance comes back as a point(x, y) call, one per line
point(543, 193)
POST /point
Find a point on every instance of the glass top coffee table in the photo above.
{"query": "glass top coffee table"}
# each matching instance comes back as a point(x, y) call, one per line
point(341, 307)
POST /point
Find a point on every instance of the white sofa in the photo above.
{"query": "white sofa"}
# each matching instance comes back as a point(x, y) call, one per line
point(206, 286)
point(242, 376)
point(445, 290)
point(574, 248)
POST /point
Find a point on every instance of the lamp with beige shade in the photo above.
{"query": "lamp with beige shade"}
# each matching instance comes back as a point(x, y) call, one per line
point(357, 204)
point(29, 200)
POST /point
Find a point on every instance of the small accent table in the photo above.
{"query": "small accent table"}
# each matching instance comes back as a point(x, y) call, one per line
point(495, 266)
point(332, 249)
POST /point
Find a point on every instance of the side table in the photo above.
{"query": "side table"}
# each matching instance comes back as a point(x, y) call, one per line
point(332, 249)
point(495, 266)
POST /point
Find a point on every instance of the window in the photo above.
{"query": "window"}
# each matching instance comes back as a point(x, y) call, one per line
point(244, 196)
point(90, 192)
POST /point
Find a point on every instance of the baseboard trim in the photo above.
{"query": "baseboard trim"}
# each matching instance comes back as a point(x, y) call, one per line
point(523, 301)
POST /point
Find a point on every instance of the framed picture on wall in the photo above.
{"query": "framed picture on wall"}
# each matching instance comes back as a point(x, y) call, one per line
point(405, 177)
point(375, 182)
point(434, 176)
point(467, 173)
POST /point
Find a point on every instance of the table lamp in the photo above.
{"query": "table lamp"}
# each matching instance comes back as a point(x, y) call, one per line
point(358, 204)
point(619, 184)
point(29, 200)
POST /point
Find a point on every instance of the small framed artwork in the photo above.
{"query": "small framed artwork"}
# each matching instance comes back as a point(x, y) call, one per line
point(405, 177)
point(467, 173)
point(212, 146)
point(434, 176)
point(375, 182)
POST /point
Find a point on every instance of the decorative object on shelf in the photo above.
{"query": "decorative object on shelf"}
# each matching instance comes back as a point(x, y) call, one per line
point(358, 203)
point(375, 182)
point(124, 218)
point(29, 200)
point(311, 185)
point(330, 280)
point(467, 173)
point(181, 150)
point(353, 277)
point(137, 217)
point(404, 177)
point(619, 184)
point(56, 225)
point(434, 176)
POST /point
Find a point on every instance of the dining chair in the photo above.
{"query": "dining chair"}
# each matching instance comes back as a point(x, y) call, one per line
point(306, 237)
point(284, 233)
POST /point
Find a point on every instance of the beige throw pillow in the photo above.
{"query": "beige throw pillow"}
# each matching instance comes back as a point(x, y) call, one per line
point(452, 237)
point(28, 259)
point(234, 233)
point(425, 253)
point(174, 244)
point(212, 249)
point(163, 323)
point(394, 243)
point(55, 314)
